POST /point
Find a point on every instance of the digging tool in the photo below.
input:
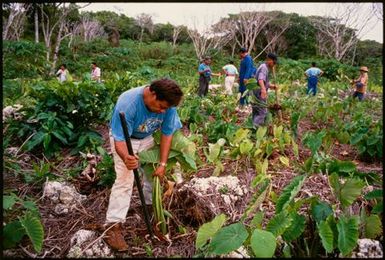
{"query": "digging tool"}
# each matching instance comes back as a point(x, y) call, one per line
point(276, 96)
point(136, 174)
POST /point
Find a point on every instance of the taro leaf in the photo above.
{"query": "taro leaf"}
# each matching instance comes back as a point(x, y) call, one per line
point(296, 227)
point(284, 160)
point(256, 222)
point(373, 226)
point(261, 132)
point(326, 234)
point(251, 84)
point(320, 211)
point(378, 208)
point(347, 234)
point(257, 199)
point(9, 201)
point(239, 135)
point(357, 137)
point(314, 141)
point(152, 155)
point(228, 239)
point(246, 146)
point(35, 140)
point(348, 192)
point(279, 223)
point(263, 243)
point(34, 230)
point(215, 150)
point(375, 194)
point(13, 232)
point(182, 144)
point(208, 230)
point(289, 192)
point(342, 166)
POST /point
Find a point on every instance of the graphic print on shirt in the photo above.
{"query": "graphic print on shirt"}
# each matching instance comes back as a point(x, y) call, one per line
point(150, 125)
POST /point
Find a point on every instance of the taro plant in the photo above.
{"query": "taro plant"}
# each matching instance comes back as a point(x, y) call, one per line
point(27, 222)
point(183, 152)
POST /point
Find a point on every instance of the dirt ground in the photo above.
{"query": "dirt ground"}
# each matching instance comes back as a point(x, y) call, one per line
point(60, 228)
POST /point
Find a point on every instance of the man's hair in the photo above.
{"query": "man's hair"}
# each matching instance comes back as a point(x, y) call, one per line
point(167, 89)
point(273, 57)
point(242, 50)
point(207, 58)
point(313, 64)
point(94, 63)
point(63, 65)
point(231, 62)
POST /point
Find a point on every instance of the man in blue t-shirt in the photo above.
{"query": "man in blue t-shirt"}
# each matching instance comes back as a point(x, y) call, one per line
point(147, 109)
point(312, 75)
point(245, 72)
point(259, 110)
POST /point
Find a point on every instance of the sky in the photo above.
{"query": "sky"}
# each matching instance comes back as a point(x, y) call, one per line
point(200, 15)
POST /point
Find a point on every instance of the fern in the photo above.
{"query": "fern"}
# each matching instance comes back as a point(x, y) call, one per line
point(289, 192)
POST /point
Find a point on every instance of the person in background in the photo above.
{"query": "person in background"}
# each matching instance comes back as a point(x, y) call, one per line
point(205, 73)
point(259, 111)
point(245, 73)
point(312, 75)
point(361, 83)
point(62, 73)
point(231, 72)
point(95, 72)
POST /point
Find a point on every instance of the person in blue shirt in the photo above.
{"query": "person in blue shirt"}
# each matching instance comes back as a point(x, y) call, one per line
point(205, 74)
point(245, 72)
point(259, 110)
point(147, 109)
point(312, 75)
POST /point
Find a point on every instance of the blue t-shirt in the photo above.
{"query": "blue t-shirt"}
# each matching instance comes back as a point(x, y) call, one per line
point(246, 68)
point(313, 71)
point(140, 121)
point(202, 67)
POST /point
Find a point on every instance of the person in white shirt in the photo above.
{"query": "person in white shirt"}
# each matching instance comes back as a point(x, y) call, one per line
point(62, 73)
point(231, 72)
point(95, 72)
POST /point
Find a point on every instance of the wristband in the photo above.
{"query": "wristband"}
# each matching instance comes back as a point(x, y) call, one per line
point(163, 164)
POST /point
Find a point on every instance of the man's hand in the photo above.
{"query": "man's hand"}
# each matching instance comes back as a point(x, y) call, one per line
point(245, 81)
point(272, 86)
point(131, 162)
point(160, 171)
point(263, 93)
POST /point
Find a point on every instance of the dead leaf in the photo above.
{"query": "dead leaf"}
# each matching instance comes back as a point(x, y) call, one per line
point(344, 153)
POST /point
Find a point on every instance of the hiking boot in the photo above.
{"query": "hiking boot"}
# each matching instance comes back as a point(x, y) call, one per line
point(115, 239)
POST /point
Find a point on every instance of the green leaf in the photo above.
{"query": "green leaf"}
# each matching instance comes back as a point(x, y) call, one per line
point(378, 208)
point(374, 194)
point(208, 230)
point(215, 150)
point(239, 136)
point(263, 243)
point(246, 146)
point(347, 234)
point(152, 155)
point(256, 222)
point(356, 138)
point(47, 140)
point(373, 226)
point(261, 132)
point(228, 239)
point(341, 166)
point(34, 230)
point(296, 227)
point(190, 161)
point(35, 140)
point(13, 232)
point(348, 192)
point(60, 137)
point(279, 223)
point(314, 141)
point(9, 201)
point(284, 160)
point(289, 192)
point(320, 211)
point(326, 234)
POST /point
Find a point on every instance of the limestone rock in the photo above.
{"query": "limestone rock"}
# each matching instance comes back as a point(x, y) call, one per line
point(81, 239)
point(368, 248)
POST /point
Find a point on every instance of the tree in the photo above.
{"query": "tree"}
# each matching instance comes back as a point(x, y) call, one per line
point(144, 21)
point(13, 25)
point(175, 34)
point(338, 32)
